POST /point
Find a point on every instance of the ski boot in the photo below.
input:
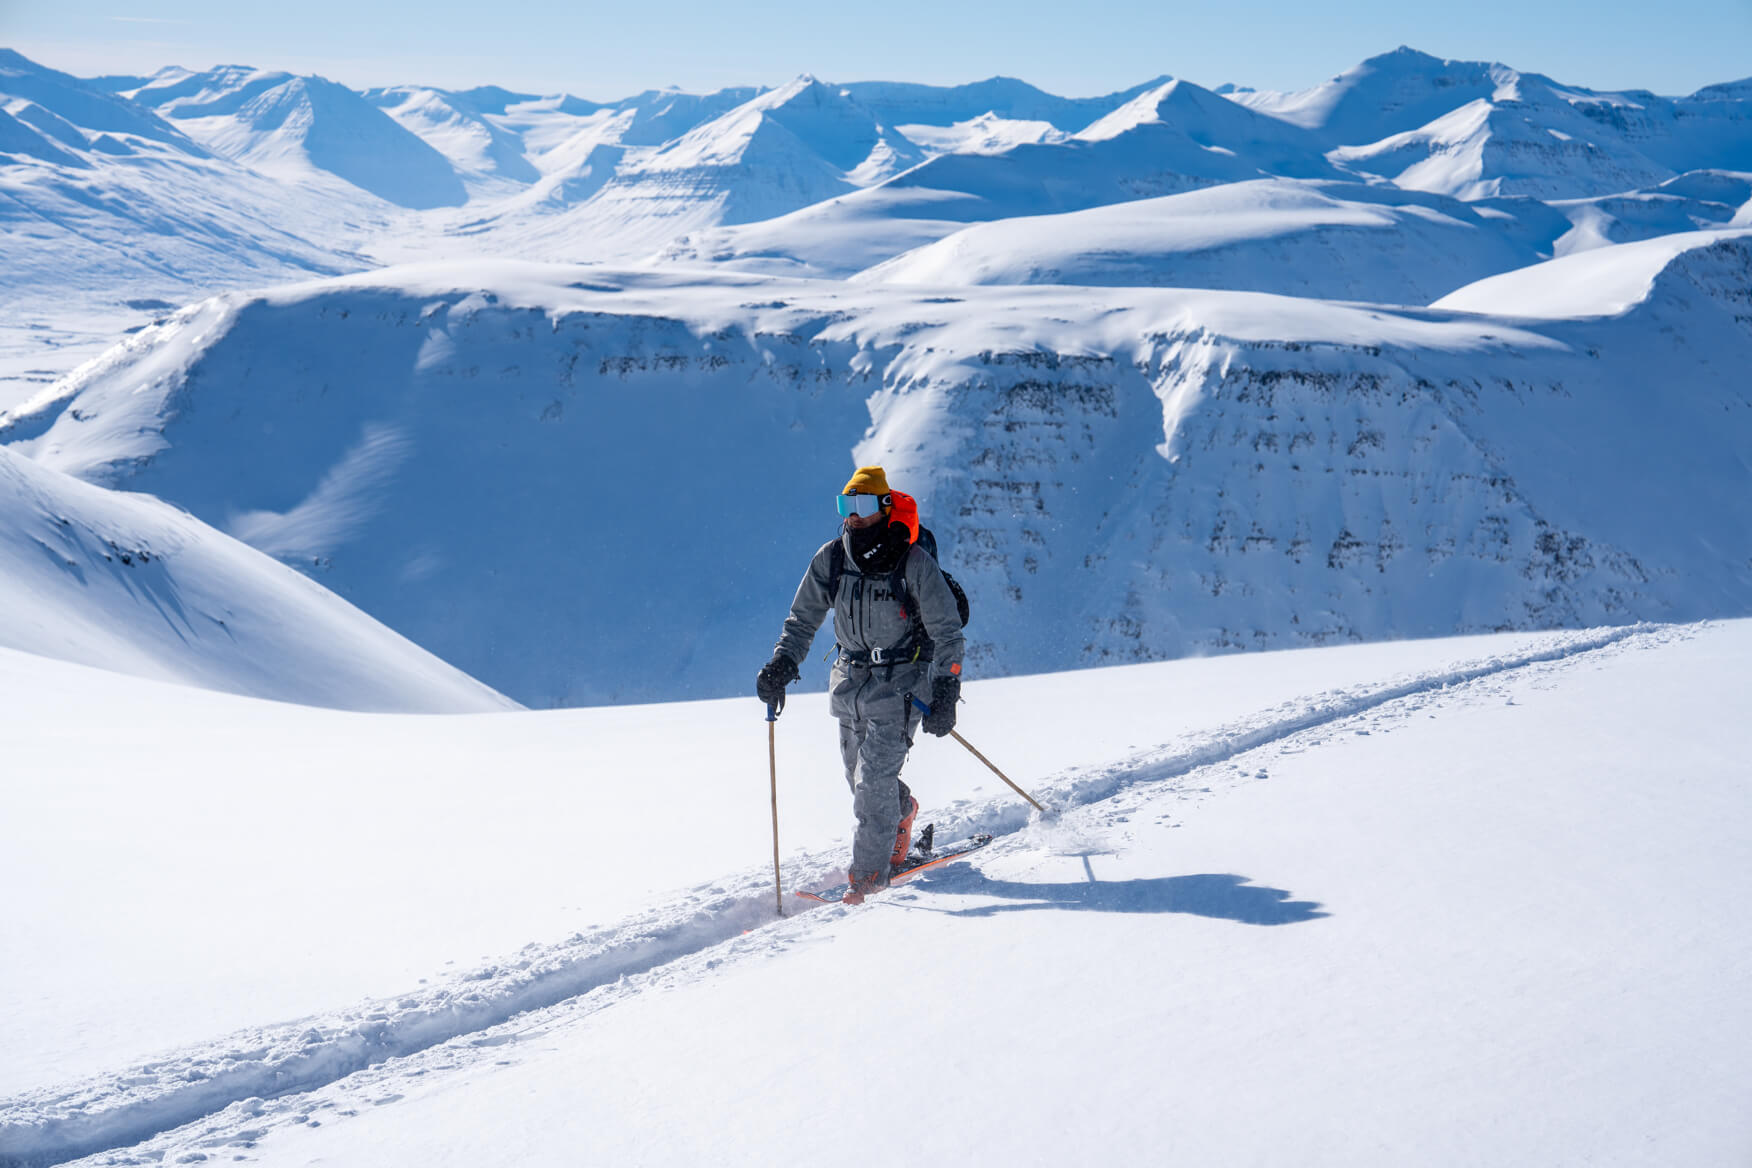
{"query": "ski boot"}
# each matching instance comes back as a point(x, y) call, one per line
point(863, 886)
point(903, 837)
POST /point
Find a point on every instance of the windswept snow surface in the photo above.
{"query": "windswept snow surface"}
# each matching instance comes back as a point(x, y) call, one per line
point(1475, 901)
point(1342, 241)
point(129, 583)
point(1696, 200)
point(503, 462)
point(986, 134)
point(1607, 281)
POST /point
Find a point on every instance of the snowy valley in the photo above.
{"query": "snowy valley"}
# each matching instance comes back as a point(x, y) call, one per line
point(1352, 487)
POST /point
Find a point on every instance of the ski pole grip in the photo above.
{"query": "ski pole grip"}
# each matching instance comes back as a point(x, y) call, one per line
point(772, 714)
point(923, 709)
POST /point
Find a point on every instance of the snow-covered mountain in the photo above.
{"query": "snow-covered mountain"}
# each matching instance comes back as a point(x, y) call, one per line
point(438, 440)
point(306, 130)
point(1479, 129)
point(105, 199)
point(1169, 139)
point(1118, 475)
point(777, 152)
point(822, 180)
point(461, 130)
point(1490, 148)
point(129, 583)
point(1173, 138)
point(985, 133)
point(907, 105)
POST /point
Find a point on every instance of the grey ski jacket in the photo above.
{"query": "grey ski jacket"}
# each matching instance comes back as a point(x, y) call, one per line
point(867, 616)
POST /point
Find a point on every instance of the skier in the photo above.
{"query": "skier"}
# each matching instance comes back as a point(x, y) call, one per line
point(899, 634)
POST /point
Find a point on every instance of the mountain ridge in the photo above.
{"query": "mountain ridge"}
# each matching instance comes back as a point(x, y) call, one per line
point(1240, 471)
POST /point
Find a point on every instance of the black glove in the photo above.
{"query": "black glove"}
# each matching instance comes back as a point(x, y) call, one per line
point(774, 676)
point(945, 692)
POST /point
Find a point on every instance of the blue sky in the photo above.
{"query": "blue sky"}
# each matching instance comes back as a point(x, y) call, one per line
point(1075, 48)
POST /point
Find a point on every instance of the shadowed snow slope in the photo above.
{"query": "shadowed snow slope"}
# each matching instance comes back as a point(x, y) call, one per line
point(505, 462)
point(126, 582)
point(387, 946)
point(463, 134)
point(1333, 240)
point(1697, 200)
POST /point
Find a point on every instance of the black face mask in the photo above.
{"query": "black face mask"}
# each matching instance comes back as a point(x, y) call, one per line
point(876, 549)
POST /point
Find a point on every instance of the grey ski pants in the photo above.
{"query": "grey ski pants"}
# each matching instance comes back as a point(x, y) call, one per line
point(876, 729)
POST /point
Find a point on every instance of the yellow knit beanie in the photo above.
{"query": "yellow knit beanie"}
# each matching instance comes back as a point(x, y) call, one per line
point(870, 480)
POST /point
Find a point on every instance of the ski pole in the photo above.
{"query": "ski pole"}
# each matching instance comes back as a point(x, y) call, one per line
point(773, 766)
point(956, 734)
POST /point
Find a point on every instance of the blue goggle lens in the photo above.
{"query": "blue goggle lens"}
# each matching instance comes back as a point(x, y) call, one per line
point(859, 504)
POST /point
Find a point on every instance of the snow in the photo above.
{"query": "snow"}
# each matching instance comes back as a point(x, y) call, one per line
point(1606, 281)
point(1246, 471)
point(1344, 241)
point(306, 129)
point(986, 134)
point(1426, 895)
point(1005, 98)
point(126, 582)
point(469, 140)
point(1385, 828)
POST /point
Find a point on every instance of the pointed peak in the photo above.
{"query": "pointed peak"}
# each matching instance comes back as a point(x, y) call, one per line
point(1172, 100)
point(803, 83)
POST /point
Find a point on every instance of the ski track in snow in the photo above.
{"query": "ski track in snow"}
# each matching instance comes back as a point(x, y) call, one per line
point(230, 1093)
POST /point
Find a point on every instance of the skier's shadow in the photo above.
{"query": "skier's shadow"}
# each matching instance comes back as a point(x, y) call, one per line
point(1229, 898)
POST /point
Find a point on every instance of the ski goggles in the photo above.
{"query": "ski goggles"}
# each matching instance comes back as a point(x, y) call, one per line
point(866, 505)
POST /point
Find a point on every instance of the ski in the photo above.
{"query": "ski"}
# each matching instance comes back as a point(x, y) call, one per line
point(915, 863)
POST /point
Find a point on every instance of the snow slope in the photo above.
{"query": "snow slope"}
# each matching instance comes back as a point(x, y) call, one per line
point(126, 582)
point(469, 138)
point(1696, 200)
point(986, 134)
point(1429, 901)
point(1607, 281)
point(1494, 148)
point(1116, 475)
point(832, 239)
point(1342, 241)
